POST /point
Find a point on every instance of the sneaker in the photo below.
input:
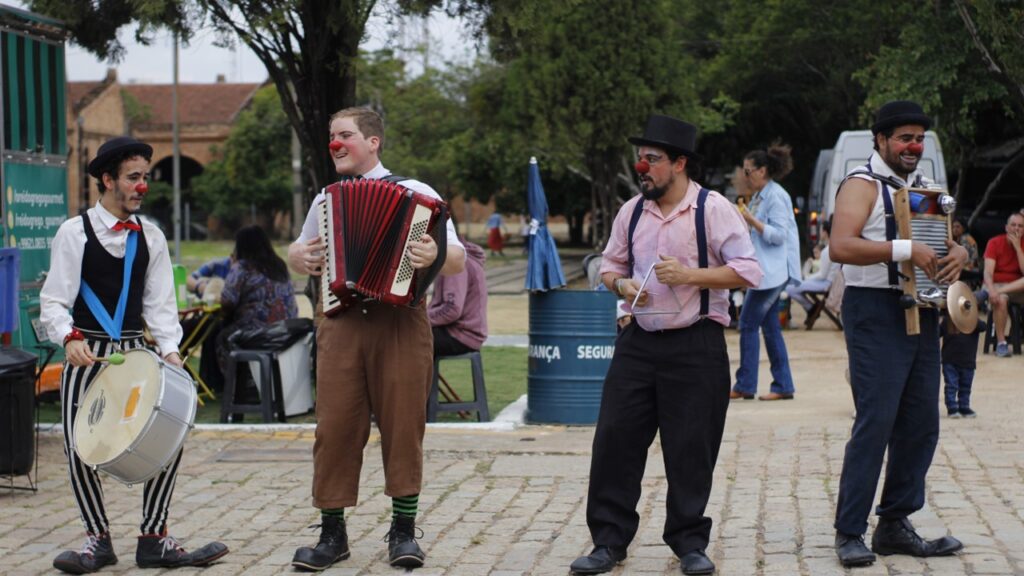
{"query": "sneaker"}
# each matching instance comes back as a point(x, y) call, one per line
point(953, 413)
point(403, 550)
point(332, 547)
point(97, 552)
point(164, 551)
point(1002, 350)
point(968, 413)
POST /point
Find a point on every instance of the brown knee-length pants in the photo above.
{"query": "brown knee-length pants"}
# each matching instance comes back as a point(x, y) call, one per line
point(371, 358)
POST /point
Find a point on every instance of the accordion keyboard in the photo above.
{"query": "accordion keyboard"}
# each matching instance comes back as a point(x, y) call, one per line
point(326, 225)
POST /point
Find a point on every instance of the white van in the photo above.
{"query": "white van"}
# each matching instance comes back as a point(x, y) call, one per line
point(853, 148)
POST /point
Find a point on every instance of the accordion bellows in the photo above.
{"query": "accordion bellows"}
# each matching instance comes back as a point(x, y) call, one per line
point(368, 225)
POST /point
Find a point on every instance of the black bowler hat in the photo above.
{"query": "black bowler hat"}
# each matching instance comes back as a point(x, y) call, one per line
point(115, 147)
point(900, 113)
point(669, 134)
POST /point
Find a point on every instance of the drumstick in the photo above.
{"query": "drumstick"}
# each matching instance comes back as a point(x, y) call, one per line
point(116, 359)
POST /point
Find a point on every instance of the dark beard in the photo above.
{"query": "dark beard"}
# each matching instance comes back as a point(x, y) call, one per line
point(654, 192)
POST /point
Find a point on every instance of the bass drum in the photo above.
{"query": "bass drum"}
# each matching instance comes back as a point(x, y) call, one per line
point(134, 417)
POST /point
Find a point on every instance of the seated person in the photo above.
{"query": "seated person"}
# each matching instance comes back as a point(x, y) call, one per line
point(458, 309)
point(198, 280)
point(1004, 260)
point(972, 270)
point(821, 281)
point(813, 263)
point(258, 290)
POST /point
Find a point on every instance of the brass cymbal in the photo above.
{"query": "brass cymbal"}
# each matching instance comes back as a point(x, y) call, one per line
point(962, 307)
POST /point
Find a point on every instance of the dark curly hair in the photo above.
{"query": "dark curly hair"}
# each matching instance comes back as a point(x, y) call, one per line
point(778, 158)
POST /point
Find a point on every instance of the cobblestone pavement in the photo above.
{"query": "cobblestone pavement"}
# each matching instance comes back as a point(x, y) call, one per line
point(511, 502)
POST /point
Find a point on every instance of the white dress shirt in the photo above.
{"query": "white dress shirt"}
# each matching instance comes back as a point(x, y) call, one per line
point(311, 227)
point(57, 298)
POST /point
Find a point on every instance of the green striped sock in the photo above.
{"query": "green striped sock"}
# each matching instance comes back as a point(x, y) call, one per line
point(334, 512)
point(405, 505)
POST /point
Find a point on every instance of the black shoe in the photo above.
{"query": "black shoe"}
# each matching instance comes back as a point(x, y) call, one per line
point(696, 562)
point(164, 551)
point(897, 536)
point(402, 547)
point(852, 551)
point(97, 552)
point(601, 559)
point(332, 547)
point(968, 413)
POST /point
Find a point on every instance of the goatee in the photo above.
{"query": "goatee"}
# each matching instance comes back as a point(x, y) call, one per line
point(654, 192)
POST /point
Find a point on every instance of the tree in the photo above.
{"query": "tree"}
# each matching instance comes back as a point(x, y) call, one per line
point(252, 171)
point(572, 86)
point(309, 48)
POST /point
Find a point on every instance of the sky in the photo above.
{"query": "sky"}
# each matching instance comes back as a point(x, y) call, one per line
point(202, 62)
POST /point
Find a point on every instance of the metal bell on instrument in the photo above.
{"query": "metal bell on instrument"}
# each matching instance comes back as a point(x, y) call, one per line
point(947, 203)
point(932, 296)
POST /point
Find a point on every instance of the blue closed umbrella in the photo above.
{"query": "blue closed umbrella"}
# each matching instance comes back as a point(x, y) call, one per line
point(544, 268)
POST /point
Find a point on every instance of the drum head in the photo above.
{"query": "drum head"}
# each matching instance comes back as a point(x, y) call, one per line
point(117, 407)
point(962, 307)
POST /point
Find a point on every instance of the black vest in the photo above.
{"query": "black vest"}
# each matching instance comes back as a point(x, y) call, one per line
point(105, 274)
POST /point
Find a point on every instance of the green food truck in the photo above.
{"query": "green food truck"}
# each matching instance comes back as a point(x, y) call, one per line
point(33, 167)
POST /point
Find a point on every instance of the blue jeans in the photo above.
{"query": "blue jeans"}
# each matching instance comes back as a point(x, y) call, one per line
point(958, 387)
point(758, 314)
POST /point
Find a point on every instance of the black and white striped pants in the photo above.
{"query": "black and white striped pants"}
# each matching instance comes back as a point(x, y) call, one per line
point(85, 482)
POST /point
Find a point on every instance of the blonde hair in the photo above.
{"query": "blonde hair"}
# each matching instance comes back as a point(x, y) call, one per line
point(367, 120)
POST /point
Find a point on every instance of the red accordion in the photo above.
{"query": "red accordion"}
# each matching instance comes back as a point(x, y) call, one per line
point(368, 225)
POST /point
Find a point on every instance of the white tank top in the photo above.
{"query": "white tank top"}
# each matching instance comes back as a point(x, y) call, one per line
point(876, 275)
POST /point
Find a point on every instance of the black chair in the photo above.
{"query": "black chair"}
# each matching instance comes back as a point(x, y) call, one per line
point(454, 403)
point(261, 345)
point(1015, 316)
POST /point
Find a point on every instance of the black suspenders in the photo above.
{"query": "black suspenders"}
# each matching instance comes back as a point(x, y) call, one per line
point(702, 242)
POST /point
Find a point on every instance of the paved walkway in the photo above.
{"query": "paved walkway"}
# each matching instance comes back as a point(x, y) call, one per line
point(506, 502)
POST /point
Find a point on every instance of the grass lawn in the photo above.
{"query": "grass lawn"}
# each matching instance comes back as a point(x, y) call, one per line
point(505, 372)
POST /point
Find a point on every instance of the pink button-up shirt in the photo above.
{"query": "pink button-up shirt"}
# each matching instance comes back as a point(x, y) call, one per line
point(675, 235)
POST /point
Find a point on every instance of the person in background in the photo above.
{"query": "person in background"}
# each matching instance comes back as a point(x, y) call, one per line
point(524, 232)
point(813, 262)
point(200, 277)
point(776, 240)
point(959, 361)
point(458, 308)
point(1003, 281)
point(257, 291)
point(496, 235)
point(972, 272)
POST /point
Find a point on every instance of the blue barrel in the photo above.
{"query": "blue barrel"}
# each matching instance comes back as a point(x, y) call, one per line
point(572, 339)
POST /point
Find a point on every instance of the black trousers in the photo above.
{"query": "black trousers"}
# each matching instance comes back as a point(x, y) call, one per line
point(446, 345)
point(895, 381)
point(672, 382)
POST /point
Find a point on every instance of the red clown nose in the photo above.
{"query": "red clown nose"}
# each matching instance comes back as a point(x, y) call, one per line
point(335, 145)
point(915, 148)
point(142, 188)
point(642, 167)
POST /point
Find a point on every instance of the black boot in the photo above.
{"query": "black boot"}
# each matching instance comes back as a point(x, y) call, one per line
point(852, 552)
point(600, 560)
point(164, 551)
point(332, 547)
point(97, 553)
point(402, 547)
point(897, 536)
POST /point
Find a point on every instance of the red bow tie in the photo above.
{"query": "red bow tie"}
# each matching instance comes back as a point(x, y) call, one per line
point(127, 225)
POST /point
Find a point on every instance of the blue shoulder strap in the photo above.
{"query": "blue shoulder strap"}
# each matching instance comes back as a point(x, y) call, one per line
point(112, 326)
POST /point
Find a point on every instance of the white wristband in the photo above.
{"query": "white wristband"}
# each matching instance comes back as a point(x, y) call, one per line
point(901, 250)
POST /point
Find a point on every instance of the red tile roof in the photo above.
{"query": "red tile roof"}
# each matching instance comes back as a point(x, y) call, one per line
point(197, 103)
point(81, 93)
